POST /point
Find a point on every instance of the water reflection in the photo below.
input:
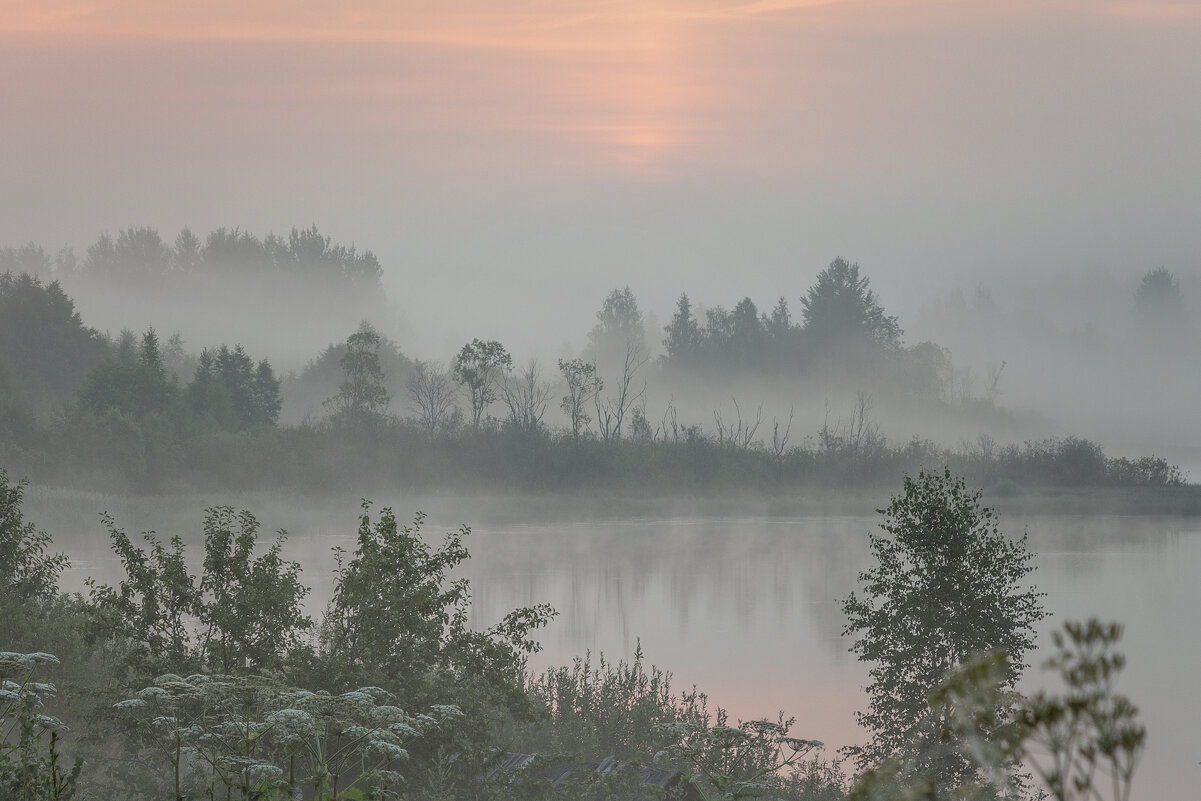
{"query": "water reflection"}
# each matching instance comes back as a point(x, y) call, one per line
point(749, 609)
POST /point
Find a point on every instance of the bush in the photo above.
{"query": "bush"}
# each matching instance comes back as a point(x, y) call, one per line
point(30, 768)
point(242, 614)
point(947, 585)
point(27, 571)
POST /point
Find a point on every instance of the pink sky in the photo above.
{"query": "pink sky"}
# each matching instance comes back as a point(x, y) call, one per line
point(577, 85)
point(594, 143)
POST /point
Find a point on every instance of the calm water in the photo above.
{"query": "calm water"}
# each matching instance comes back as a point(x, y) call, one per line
point(748, 608)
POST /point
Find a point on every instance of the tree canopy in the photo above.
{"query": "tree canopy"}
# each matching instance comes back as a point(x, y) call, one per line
point(362, 399)
point(478, 366)
point(618, 323)
point(44, 341)
point(1159, 306)
point(947, 585)
point(140, 255)
point(232, 390)
point(134, 381)
point(840, 309)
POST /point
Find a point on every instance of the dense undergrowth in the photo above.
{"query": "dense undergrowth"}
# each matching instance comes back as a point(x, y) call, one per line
point(118, 454)
point(177, 683)
point(213, 684)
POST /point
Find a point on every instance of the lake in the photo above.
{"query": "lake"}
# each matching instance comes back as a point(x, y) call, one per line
point(748, 608)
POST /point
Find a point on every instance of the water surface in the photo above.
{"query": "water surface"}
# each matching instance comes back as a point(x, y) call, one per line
point(748, 608)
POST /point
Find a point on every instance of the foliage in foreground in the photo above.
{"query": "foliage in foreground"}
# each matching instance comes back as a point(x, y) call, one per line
point(31, 768)
point(631, 713)
point(247, 722)
point(947, 584)
point(243, 613)
point(27, 572)
point(1081, 744)
point(245, 736)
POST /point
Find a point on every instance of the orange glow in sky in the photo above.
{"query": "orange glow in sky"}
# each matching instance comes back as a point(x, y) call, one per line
point(627, 84)
point(640, 88)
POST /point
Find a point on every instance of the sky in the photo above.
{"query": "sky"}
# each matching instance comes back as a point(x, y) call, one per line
point(512, 162)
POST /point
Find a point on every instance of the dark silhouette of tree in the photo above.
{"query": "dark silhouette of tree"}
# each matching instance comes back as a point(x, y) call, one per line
point(17, 422)
point(779, 324)
point(362, 400)
point(947, 585)
point(230, 389)
point(305, 393)
point(29, 258)
point(27, 571)
point(618, 322)
point(100, 259)
point(307, 252)
point(154, 384)
point(719, 330)
point(235, 370)
point(138, 256)
point(142, 253)
point(925, 368)
point(134, 381)
point(611, 409)
point(840, 309)
point(683, 341)
point(782, 345)
point(207, 394)
point(747, 336)
point(265, 400)
point(45, 344)
point(234, 251)
point(398, 619)
point(180, 364)
point(1159, 306)
point(432, 394)
point(526, 395)
point(188, 252)
point(479, 366)
point(583, 385)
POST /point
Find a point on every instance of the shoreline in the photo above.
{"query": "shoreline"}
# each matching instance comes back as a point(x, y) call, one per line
point(490, 507)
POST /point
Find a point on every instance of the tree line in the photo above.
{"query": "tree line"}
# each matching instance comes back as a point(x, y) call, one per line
point(146, 414)
point(140, 256)
point(843, 331)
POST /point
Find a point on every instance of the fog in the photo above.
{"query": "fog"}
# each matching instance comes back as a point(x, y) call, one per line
point(1061, 350)
point(746, 607)
point(672, 302)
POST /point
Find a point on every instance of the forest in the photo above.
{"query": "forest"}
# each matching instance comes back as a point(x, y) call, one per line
point(600, 400)
point(143, 412)
point(207, 675)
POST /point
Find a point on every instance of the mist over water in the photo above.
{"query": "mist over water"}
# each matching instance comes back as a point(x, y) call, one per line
point(662, 298)
point(1057, 349)
point(746, 608)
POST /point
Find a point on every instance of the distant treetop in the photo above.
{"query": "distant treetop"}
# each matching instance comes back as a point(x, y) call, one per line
point(140, 255)
point(840, 308)
point(1158, 304)
point(618, 323)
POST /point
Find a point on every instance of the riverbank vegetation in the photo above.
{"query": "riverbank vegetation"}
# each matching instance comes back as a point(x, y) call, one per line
point(200, 676)
point(137, 414)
